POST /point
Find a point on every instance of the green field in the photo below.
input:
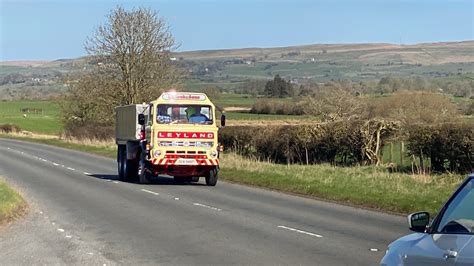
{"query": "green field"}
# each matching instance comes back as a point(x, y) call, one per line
point(231, 99)
point(47, 121)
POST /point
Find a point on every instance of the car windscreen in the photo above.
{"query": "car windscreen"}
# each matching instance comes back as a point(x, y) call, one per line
point(459, 215)
point(184, 114)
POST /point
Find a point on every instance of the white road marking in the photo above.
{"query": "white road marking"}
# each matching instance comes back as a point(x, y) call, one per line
point(61, 230)
point(90, 253)
point(86, 173)
point(72, 169)
point(55, 164)
point(8, 148)
point(299, 231)
point(116, 182)
point(62, 165)
point(374, 249)
point(206, 206)
point(176, 198)
point(68, 236)
point(53, 223)
point(151, 192)
point(44, 160)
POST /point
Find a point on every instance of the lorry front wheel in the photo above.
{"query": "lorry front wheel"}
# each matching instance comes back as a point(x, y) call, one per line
point(211, 177)
point(142, 174)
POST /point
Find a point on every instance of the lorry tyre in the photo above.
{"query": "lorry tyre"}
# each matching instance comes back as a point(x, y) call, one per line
point(120, 163)
point(211, 177)
point(130, 169)
point(142, 174)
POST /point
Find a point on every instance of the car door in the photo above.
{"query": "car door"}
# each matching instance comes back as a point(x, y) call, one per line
point(441, 249)
point(466, 254)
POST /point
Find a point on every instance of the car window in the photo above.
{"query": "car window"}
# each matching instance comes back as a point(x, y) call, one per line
point(459, 215)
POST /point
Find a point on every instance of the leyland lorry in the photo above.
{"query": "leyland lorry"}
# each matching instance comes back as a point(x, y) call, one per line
point(175, 135)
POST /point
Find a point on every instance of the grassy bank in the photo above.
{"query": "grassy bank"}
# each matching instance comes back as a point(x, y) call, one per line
point(12, 205)
point(366, 186)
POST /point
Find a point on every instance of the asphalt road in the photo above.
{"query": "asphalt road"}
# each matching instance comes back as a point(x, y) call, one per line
point(81, 214)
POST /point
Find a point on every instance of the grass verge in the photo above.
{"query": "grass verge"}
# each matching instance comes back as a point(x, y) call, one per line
point(365, 186)
point(12, 205)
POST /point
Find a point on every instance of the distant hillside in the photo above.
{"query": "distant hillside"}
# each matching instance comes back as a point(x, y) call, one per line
point(229, 68)
point(427, 53)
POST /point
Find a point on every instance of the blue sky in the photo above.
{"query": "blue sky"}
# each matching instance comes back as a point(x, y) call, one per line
point(54, 29)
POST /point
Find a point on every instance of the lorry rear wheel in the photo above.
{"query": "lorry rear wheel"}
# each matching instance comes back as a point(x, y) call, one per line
point(120, 163)
point(211, 177)
point(130, 169)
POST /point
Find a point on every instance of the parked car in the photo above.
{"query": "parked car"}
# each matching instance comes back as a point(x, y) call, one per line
point(447, 240)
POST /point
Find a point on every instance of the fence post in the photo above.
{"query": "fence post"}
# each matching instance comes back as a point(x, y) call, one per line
point(402, 151)
point(391, 153)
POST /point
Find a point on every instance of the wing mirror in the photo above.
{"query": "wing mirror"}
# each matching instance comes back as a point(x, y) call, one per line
point(141, 119)
point(222, 120)
point(418, 221)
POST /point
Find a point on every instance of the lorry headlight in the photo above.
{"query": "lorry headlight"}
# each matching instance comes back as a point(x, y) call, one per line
point(157, 153)
point(214, 154)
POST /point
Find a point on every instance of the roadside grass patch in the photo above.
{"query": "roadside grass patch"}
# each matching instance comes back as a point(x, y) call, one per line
point(12, 205)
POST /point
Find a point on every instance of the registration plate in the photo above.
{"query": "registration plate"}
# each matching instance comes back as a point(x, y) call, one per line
point(186, 161)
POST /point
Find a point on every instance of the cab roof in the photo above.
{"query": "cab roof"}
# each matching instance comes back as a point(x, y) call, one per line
point(183, 98)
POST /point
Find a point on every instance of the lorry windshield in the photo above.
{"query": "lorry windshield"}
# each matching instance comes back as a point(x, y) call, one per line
point(184, 114)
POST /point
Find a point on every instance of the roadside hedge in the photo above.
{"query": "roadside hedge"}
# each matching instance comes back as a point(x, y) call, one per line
point(447, 146)
point(335, 142)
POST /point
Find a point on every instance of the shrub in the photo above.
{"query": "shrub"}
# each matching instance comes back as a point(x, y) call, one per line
point(9, 128)
point(90, 131)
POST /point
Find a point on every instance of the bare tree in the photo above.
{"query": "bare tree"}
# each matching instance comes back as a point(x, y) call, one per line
point(134, 48)
point(334, 103)
point(132, 51)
